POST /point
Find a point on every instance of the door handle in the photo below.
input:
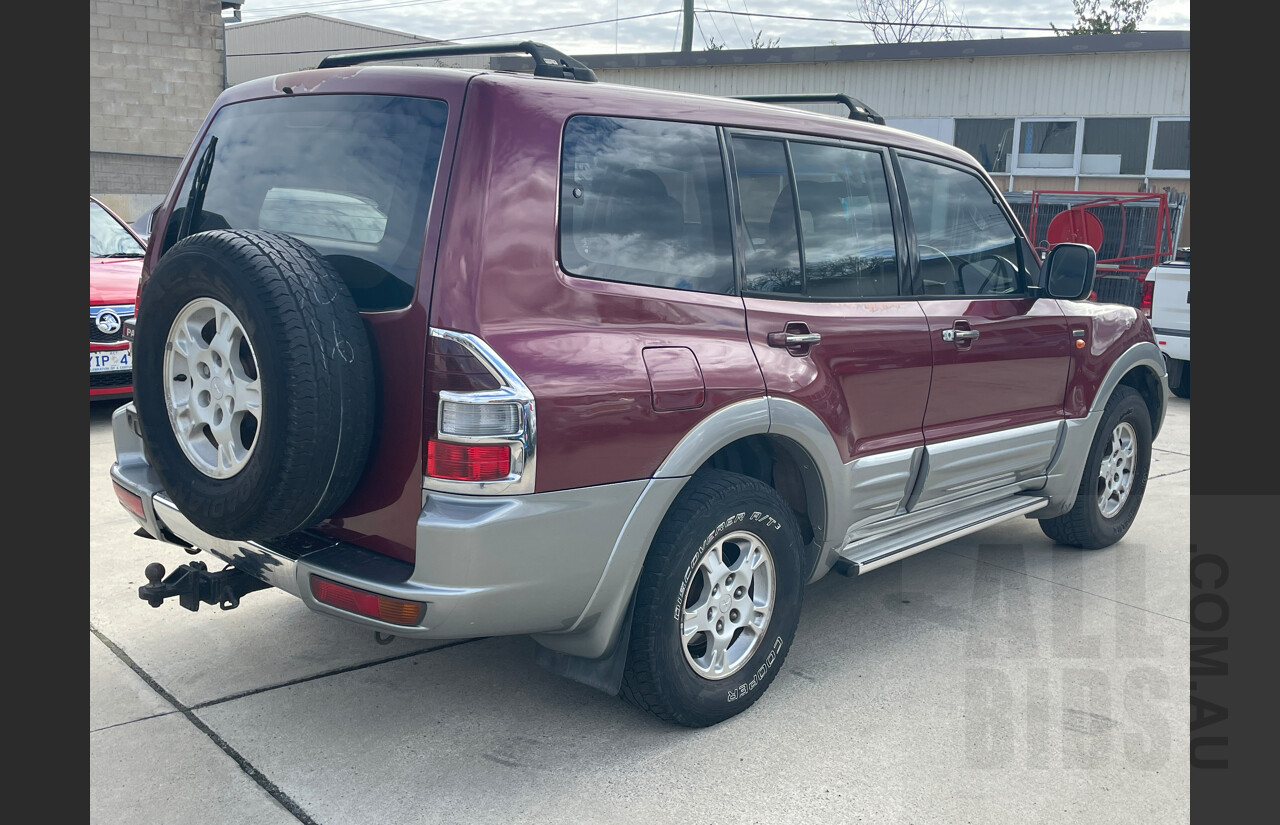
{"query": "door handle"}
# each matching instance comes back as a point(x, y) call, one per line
point(955, 335)
point(795, 338)
point(792, 339)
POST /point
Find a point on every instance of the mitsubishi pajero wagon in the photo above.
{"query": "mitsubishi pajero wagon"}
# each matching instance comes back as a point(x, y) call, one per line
point(459, 353)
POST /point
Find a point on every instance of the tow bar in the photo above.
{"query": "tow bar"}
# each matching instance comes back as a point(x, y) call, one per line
point(192, 583)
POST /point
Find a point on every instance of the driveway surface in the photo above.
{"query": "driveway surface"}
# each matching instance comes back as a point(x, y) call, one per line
point(995, 679)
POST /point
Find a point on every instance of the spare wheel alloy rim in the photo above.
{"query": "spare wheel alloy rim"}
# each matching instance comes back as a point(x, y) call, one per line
point(730, 599)
point(212, 388)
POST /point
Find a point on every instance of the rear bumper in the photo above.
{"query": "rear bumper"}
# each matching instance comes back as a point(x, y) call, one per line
point(486, 565)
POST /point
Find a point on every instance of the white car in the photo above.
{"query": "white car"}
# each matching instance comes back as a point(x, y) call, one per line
point(1171, 321)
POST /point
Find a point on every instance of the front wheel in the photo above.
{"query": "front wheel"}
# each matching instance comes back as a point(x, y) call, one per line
point(1114, 480)
point(717, 603)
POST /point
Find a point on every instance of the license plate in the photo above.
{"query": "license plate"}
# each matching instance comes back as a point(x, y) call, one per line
point(114, 360)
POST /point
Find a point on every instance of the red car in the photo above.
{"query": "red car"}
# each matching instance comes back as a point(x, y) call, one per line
point(452, 354)
point(115, 263)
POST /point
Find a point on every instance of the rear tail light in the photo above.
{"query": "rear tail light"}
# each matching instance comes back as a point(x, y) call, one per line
point(479, 422)
point(364, 603)
point(470, 419)
point(1148, 291)
point(468, 462)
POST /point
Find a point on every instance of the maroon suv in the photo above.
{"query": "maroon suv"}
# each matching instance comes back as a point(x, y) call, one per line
point(453, 353)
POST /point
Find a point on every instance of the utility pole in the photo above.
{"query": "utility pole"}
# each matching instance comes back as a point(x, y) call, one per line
point(686, 42)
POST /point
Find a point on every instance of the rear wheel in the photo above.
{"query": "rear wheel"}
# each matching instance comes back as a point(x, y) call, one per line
point(1114, 479)
point(718, 602)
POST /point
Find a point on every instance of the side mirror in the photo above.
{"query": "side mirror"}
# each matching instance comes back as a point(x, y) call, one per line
point(1069, 270)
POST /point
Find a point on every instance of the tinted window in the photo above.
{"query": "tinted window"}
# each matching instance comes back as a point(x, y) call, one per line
point(352, 175)
point(990, 140)
point(769, 216)
point(1173, 145)
point(645, 202)
point(967, 245)
point(1115, 145)
point(846, 226)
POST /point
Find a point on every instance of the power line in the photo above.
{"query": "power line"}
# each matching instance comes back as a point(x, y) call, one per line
point(735, 24)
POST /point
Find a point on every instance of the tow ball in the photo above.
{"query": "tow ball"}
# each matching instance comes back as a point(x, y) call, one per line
point(192, 583)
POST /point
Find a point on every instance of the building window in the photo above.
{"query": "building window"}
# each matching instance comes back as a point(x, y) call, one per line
point(989, 140)
point(1115, 145)
point(1047, 144)
point(1171, 147)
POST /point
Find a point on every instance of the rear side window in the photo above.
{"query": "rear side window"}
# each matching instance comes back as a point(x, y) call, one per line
point(817, 226)
point(967, 244)
point(351, 175)
point(645, 202)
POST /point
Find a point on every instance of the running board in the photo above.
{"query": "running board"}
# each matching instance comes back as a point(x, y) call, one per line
point(856, 560)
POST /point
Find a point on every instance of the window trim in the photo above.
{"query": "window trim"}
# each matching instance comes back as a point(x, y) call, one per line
point(1153, 172)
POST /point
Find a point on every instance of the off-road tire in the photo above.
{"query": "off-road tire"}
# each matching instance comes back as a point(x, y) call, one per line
point(313, 375)
point(1084, 525)
point(659, 676)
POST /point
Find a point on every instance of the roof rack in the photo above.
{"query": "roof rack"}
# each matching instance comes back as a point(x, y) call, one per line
point(547, 62)
point(857, 109)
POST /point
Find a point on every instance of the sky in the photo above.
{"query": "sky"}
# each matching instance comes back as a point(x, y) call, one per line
point(656, 31)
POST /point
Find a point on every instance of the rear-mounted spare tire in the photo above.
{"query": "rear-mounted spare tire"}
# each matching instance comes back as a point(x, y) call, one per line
point(254, 383)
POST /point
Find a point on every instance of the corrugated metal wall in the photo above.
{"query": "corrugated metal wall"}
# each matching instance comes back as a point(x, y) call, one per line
point(1122, 84)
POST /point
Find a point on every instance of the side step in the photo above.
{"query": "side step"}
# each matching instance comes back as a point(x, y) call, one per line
point(868, 554)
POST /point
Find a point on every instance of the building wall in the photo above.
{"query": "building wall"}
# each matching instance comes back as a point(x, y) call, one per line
point(926, 95)
point(1091, 85)
point(155, 68)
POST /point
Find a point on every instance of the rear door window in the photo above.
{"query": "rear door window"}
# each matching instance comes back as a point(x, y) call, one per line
point(816, 219)
point(351, 175)
point(645, 202)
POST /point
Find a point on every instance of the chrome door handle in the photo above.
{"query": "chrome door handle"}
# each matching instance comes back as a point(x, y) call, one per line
point(793, 339)
point(953, 335)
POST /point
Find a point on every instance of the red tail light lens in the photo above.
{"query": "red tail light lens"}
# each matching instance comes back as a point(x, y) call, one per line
point(468, 462)
point(1148, 290)
point(353, 600)
point(131, 502)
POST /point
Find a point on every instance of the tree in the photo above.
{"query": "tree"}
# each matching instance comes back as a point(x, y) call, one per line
point(1091, 18)
point(908, 21)
point(758, 41)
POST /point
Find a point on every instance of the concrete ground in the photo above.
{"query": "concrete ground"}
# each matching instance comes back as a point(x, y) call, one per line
point(995, 679)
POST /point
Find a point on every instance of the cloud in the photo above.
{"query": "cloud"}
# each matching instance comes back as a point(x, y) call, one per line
point(482, 19)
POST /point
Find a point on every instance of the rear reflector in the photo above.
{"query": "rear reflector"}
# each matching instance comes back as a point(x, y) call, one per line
point(468, 462)
point(353, 600)
point(131, 502)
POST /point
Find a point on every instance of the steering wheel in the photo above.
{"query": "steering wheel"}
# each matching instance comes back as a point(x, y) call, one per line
point(955, 275)
point(1004, 269)
point(1011, 270)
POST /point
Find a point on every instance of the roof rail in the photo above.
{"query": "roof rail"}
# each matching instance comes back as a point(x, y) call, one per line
point(547, 62)
point(857, 109)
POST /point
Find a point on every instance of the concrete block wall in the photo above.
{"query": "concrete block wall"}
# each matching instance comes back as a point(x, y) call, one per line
point(155, 69)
